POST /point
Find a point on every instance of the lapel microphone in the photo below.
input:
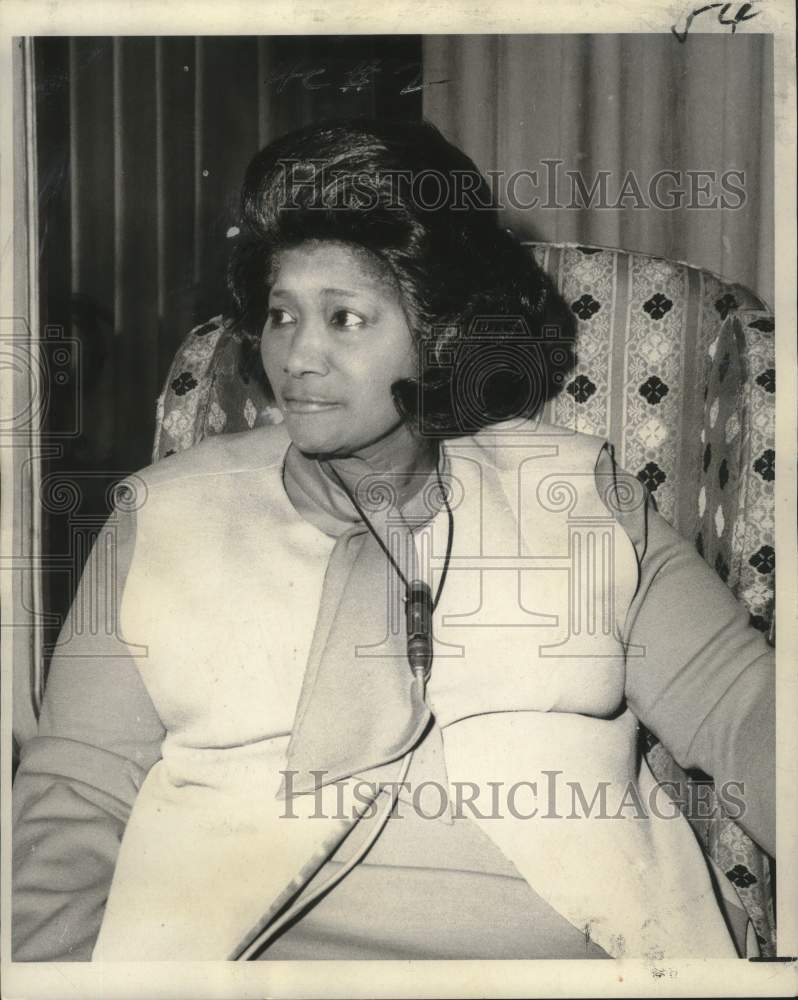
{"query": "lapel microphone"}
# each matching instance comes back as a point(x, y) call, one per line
point(418, 619)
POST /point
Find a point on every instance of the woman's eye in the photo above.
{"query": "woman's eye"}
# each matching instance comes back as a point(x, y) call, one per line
point(346, 319)
point(279, 317)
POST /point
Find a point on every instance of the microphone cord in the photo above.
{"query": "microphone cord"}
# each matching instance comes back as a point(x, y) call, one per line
point(364, 517)
point(420, 663)
point(250, 951)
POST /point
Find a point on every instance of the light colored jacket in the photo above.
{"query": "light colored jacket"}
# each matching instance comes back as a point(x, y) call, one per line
point(218, 610)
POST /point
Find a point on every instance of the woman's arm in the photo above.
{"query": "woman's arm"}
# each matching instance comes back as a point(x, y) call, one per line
point(702, 678)
point(98, 736)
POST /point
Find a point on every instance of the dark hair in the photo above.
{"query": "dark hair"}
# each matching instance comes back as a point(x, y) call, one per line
point(496, 339)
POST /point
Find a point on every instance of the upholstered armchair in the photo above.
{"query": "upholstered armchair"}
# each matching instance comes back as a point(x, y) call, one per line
point(676, 368)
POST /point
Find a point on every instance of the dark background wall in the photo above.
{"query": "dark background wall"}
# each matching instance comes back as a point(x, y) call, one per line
point(142, 144)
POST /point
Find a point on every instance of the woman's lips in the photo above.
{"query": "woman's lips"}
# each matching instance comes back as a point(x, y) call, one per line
point(308, 405)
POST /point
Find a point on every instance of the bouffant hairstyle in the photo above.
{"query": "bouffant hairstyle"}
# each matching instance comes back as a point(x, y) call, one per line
point(495, 339)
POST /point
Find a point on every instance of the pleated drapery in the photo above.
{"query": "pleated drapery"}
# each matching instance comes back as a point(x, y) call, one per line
point(622, 103)
point(24, 365)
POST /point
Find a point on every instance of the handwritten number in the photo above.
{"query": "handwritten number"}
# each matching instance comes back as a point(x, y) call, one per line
point(744, 13)
point(741, 15)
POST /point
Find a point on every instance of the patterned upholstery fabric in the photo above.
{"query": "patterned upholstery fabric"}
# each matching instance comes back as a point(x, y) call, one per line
point(677, 368)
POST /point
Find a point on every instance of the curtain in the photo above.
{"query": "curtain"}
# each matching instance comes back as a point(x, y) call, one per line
point(632, 106)
point(23, 374)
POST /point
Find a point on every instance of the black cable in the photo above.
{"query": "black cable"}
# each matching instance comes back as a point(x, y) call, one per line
point(384, 547)
point(449, 543)
point(260, 936)
point(371, 528)
point(254, 943)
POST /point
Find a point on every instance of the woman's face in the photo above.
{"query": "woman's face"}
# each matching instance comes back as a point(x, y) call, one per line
point(335, 339)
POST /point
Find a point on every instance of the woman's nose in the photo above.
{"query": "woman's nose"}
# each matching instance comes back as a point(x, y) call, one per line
point(307, 350)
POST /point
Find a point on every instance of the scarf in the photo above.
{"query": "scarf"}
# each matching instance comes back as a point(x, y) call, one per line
point(358, 709)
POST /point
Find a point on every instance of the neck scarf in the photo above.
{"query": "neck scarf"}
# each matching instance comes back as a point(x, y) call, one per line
point(358, 709)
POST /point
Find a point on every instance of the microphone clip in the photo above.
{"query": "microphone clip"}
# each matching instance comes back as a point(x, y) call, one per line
point(418, 618)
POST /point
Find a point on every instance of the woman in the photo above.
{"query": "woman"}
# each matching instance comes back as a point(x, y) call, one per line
point(270, 752)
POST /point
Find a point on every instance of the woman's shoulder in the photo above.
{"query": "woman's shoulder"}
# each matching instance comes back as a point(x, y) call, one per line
point(505, 444)
point(258, 449)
